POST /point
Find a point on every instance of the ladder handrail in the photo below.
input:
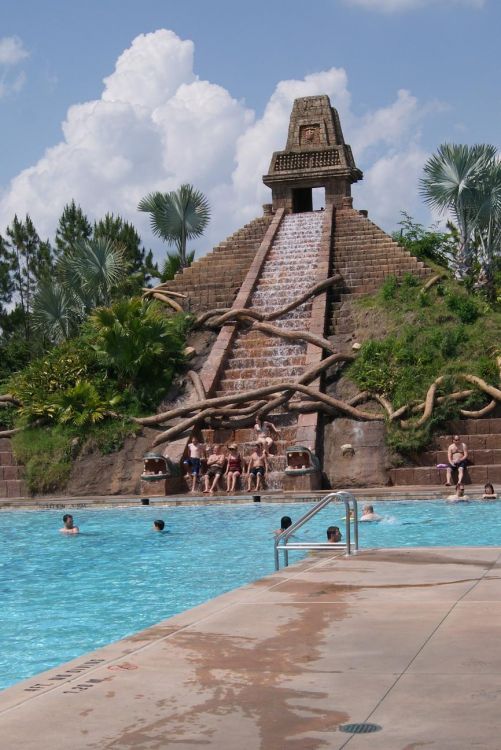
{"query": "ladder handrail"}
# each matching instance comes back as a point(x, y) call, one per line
point(281, 541)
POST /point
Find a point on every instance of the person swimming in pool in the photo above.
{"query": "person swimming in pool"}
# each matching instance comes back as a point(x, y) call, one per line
point(489, 493)
point(285, 522)
point(69, 527)
point(369, 515)
point(333, 534)
point(458, 497)
point(158, 525)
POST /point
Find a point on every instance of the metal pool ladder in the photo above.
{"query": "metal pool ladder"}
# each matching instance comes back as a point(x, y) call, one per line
point(282, 540)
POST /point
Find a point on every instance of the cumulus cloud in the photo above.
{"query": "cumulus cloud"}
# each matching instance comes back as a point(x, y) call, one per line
point(392, 6)
point(157, 124)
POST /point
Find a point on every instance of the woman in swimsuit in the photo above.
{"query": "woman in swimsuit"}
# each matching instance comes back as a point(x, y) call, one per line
point(233, 468)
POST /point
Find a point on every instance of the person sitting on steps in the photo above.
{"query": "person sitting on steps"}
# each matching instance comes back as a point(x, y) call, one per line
point(215, 469)
point(258, 466)
point(457, 455)
point(233, 468)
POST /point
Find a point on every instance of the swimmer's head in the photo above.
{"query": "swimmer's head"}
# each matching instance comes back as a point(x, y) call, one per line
point(285, 522)
point(158, 525)
point(333, 534)
point(68, 520)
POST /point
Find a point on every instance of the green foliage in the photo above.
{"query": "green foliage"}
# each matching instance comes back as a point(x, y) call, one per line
point(73, 227)
point(173, 264)
point(426, 244)
point(26, 259)
point(139, 345)
point(140, 263)
point(83, 405)
point(109, 436)
point(42, 382)
point(84, 279)
point(46, 456)
point(178, 216)
point(447, 334)
point(465, 307)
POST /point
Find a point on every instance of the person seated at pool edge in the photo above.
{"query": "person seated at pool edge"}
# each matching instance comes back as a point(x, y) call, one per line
point(459, 496)
point(333, 534)
point(489, 493)
point(368, 514)
point(234, 468)
point(158, 525)
point(285, 522)
point(68, 527)
point(258, 466)
point(215, 469)
point(457, 454)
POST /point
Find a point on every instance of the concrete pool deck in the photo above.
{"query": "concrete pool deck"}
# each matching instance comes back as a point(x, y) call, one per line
point(407, 639)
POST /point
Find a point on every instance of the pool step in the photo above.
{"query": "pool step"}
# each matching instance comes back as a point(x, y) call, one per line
point(428, 475)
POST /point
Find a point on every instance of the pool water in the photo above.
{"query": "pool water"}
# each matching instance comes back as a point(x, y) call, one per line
point(62, 596)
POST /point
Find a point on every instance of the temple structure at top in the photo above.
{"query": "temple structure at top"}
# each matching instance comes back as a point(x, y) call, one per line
point(315, 156)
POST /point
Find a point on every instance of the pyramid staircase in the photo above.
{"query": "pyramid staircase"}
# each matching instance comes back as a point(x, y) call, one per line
point(11, 474)
point(364, 256)
point(214, 279)
point(483, 440)
point(257, 360)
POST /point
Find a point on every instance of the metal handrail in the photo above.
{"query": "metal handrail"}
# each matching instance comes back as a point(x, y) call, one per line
point(282, 543)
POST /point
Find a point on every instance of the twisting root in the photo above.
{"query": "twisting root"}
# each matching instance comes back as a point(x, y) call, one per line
point(431, 282)
point(197, 384)
point(480, 412)
point(224, 315)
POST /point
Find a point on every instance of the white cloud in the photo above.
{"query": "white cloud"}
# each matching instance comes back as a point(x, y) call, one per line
point(12, 50)
point(157, 125)
point(392, 6)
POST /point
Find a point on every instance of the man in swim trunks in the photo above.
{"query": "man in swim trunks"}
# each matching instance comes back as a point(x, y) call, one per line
point(68, 527)
point(215, 469)
point(196, 452)
point(258, 466)
point(457, 455)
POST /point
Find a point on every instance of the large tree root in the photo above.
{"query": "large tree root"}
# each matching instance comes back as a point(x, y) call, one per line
point(224, 315)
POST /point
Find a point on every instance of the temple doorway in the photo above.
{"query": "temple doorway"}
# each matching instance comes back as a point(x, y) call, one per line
point(302, 200)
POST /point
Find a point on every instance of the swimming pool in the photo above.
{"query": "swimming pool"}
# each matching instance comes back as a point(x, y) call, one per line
point(63, 596)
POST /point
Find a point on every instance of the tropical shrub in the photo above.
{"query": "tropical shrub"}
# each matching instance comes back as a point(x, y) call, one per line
point(139, 345)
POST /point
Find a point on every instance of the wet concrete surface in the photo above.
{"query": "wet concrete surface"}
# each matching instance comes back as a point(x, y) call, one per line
point(405, 639)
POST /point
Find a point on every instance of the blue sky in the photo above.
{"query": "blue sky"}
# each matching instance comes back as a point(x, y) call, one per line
point(441, 55)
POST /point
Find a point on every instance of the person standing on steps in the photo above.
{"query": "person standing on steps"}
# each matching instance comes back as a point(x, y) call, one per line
point(196, 451)
point(457, 455)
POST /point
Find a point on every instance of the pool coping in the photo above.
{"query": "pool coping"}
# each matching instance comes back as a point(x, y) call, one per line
point(56, 502)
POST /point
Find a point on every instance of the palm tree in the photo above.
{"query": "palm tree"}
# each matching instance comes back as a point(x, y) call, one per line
point(178, 216)
point(487, 231)
point(452, 180)
point(83, 280)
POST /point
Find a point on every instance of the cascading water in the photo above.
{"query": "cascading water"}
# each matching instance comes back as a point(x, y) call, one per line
point(258, 360)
